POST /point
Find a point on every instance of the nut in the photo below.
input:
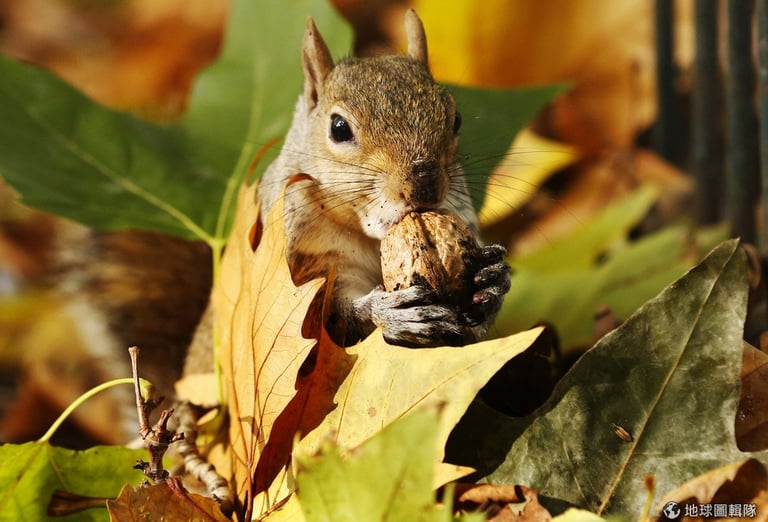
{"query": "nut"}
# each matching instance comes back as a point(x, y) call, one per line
point(432, 247)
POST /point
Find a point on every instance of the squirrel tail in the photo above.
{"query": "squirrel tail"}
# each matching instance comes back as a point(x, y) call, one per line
point(136, 288)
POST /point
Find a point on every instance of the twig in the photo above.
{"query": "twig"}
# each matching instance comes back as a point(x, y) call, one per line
point(157, 439)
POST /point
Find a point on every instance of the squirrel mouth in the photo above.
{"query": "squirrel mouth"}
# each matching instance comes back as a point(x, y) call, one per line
point(377, 224)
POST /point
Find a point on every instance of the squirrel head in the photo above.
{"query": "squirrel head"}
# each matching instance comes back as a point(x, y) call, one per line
point(385, 131)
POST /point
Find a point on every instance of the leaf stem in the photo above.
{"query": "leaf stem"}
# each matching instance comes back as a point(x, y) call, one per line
point(217, 249)
point(80, 400)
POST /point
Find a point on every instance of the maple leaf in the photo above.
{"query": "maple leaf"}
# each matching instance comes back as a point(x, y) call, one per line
point(346, 394)
point(259, 314)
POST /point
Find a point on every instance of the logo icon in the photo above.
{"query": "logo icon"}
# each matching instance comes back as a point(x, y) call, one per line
point(671, 510)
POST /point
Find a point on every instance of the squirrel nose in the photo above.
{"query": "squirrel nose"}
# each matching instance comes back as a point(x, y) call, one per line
point(427, 184)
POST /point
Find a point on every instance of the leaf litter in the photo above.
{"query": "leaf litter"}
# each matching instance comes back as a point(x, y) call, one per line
point(348, 395)
point(668, 376)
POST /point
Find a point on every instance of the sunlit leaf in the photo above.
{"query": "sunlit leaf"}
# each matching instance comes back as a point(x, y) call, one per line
point(348, 394)
point(668, 377)
point(531, 160)
point(68, 155)
point(607, 58)
point(566, 282)
point(31, 473)
point(387, 478)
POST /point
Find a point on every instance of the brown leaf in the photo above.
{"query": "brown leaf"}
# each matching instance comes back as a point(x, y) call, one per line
point(502, 503)
point(752, 413)
point(259, 314)
point(135, 54)
point(167, 501)
point(739, 483)
point(280, 383)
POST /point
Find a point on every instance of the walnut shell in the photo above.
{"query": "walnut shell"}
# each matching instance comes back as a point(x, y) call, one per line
point(432, 247)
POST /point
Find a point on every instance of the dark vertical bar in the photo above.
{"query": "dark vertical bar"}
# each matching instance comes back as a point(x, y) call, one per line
point(667, 132)
point(762, 47)
point(707, 115)
point(743, 174)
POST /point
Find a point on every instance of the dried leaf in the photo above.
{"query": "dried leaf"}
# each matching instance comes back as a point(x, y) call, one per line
point(259, 312)
point(167, 501)
point(201, 389)
point(388, 381)
point(502, 503)
point(345, 395)
point(752, 413)
point(672, 365)
point(744, 482)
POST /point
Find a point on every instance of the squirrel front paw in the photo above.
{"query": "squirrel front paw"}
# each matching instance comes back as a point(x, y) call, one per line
point(419, 316)
point(413, 317)
point(491, 283)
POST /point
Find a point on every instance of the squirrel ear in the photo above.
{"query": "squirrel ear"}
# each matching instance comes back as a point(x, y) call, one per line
point(417, 39)
point(317, 63)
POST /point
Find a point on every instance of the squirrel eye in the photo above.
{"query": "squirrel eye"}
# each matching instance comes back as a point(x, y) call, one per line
point(340, 129)
point(456, 123)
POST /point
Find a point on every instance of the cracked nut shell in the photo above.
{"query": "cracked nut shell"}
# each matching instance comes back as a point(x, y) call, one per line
point(431, 247)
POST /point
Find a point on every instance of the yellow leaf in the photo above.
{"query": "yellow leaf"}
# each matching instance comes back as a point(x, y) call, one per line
point(603, 47)
point(198, 388)
point(280, 383)
point(530, 161)
point(259, 315)
point(386, 382)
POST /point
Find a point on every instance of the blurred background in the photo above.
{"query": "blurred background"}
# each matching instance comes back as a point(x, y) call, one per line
point(596, 200)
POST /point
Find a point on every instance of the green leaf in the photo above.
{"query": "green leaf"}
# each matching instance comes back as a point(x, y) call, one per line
point(387, 478)
point(566, 282)
point(31, 472)
point(70, 156)
point(669, 376)
point(246, 98)
point(491, 118)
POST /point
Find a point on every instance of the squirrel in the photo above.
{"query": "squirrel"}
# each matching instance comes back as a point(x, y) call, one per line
point(377, 137)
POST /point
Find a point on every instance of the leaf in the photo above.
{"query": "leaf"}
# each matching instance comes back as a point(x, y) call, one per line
point(350, 393)
point(530, 161)
point(491, 119)
point(31, 473)
point(167, 501)
point(752, 414)
point(388, 381)
point(67, 155)
point(506, 44)
point(667, 376)
point(740, 483)
point(567, 282)
point(387, 478)
point(509, 503)
point(259, 314)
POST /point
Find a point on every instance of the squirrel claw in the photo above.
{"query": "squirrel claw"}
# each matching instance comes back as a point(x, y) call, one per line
point(417, 317)
point(492, 281)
